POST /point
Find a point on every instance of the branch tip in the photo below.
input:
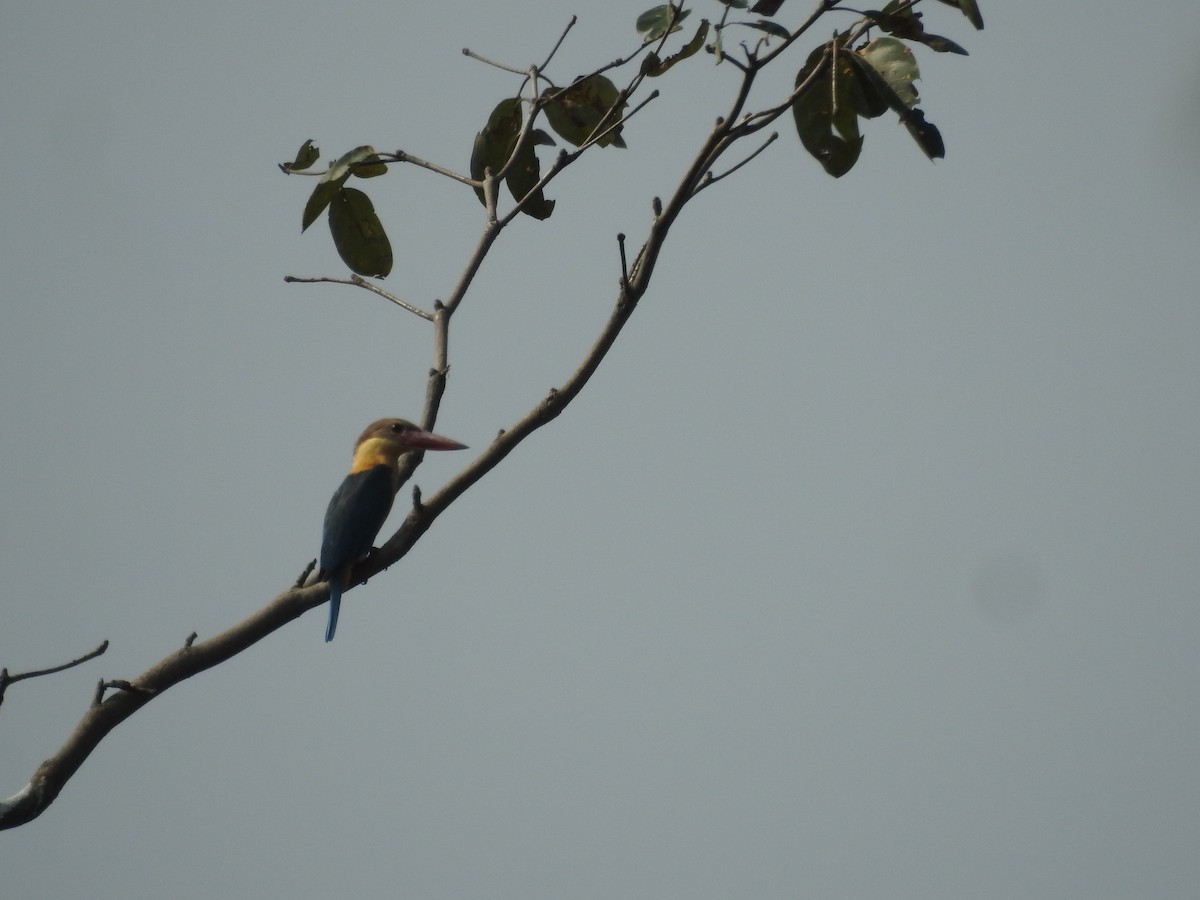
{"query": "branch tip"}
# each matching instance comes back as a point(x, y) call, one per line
point(467, 51)
point(308, 569)
point(562, 37)
point(129, 687)
point(624, 263)
point(6, 679)
point(359, 281)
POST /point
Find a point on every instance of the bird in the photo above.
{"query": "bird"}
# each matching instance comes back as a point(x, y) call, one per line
point(362, 502)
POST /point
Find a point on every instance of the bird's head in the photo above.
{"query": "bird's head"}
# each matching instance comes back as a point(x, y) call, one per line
point(387, 440)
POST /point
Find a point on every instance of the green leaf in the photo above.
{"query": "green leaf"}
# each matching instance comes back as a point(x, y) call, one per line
point(369, 167)
point(657, 67)
point(736, 4)
point(894, 19)
point(576, 112)
point(876, 93)
point(903, 22)
point(331, 182)
point(928, 138)
point(318, 200)
point(522, 178)
point(305, 157)
point(825, 113)
point(926, 134)
point(772, 28)
point(870, 93)
point(348, 162)
point(358, 234)
point(766, 7)
point(970, 9)
point(494, 145)
point(654, 23)
point(942, 44)
point(893, 60)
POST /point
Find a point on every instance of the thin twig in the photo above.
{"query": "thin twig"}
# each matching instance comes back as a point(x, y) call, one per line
point(734, 61)
point(525, 134)
point(308, 570)
point(6, 679)
point(624, 264)
point(486, 238)
point(833, 75)
point(467, 51)
point(435, 384)
point(562, 37)
point(711, 179)
point(757, 121)
point(359, 281)
point(822, 7)
point(597, 136)
point(120, 684)
point(402, 156)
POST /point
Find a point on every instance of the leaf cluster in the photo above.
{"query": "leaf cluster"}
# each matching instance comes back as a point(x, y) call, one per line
point(357, 232)
point(839, 84)
point(853, 76)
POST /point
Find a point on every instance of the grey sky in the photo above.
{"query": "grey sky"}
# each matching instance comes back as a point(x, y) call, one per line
point(866, 567)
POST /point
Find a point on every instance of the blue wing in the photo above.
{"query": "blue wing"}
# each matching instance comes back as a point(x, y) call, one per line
point(356, 512)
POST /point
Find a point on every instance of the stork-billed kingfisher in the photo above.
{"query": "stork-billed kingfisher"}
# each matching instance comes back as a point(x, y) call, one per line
point(361, 504)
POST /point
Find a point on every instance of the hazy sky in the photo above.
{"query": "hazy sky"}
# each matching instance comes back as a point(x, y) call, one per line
point(866, 567)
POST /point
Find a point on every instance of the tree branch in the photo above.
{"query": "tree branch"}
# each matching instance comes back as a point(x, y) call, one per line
point(6, 679)
point(114, 701)
point(103, 715)
point(359, 281)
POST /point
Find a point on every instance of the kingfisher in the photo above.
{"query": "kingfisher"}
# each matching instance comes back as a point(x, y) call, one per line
point(361, 504)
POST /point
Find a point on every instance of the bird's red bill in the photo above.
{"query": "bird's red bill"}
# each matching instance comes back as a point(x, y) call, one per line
point(427, 440)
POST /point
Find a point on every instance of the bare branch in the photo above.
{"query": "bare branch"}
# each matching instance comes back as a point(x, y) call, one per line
point(605, 127)
point(562, 37)
point(105, 714)
point(300, 582)
point(624, 264)
point(6, 679)
point(401, 156)
point(467, 51)
point(359, 281)
point(823, 7)
point(711, 179)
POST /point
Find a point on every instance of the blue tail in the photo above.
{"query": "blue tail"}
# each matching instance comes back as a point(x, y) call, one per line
point(335, 604)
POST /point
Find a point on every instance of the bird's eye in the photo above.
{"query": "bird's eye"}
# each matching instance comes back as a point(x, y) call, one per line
point(397, 428)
